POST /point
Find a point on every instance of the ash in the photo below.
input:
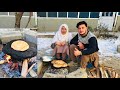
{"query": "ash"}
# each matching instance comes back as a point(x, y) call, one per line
point(63, 71)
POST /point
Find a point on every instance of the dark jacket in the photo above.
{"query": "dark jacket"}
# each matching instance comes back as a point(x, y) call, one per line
point(90, 48)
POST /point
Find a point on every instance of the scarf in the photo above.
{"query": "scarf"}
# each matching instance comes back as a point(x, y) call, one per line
point(59, 36)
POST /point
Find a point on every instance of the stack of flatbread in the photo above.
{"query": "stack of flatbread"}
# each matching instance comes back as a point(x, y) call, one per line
point(59, 63)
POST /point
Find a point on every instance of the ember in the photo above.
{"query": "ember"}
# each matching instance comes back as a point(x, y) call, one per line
point(7, 57)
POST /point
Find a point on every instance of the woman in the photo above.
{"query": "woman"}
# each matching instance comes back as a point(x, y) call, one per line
point(61, 41)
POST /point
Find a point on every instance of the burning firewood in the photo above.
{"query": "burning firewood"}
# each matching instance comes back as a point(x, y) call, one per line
point(33, 73)
point(3, 61)
point(31, 67)
point(39, 67)
point(7, 59)
point(24, 68)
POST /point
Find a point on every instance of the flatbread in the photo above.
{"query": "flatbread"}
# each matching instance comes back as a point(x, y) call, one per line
point(59, 63)
point(53, 61)
point(20, 45)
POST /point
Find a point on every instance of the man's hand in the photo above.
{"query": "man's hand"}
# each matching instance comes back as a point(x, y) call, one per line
point(81, 46)
point(77, 52)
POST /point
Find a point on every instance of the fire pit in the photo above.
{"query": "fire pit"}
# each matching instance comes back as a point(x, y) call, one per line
point(20, 51)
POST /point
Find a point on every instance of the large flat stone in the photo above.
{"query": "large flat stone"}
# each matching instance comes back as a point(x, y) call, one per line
point(6, 37)
point(118, 48)
point(30, 36)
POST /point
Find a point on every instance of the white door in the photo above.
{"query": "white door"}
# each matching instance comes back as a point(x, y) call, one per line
point(106, 19)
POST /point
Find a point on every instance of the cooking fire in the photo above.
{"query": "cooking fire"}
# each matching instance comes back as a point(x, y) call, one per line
point(19, 59)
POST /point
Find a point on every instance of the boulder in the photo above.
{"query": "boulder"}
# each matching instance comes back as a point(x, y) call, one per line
point(118, 48)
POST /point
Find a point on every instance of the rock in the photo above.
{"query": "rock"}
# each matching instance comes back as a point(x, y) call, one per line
point(8, 36)
point(55, 73)
point(51, 75)
point(30, 36)
point(118, 48)
point(79, 73)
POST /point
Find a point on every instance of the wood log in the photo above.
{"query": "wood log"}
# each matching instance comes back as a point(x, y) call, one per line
point(32, 73)
point(31, 67)
point(116, 75)
point(106, 75)
point(24, 68)
point(109, 72)
point(102, 72)
point(93, 74)
point(98, 73)
point(90, 75)
point(2, 61)
point(93, 69)
point(113, 74)
point(39, 67)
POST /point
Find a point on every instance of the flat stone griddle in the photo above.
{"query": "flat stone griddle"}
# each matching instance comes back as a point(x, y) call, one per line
point(20, 55)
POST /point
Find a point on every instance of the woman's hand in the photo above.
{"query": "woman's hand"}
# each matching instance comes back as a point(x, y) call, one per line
point(63, 43)
point(58, 43)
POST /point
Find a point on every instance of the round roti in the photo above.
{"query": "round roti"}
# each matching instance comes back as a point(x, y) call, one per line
point(59, 63)
point(20, 45)
point(53, 61)
point(64, 65)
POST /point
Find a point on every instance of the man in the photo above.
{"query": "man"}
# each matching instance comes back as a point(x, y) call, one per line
point(84, 46)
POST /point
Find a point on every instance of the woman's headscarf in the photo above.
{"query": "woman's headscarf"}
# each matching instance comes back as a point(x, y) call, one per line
point(59, 36)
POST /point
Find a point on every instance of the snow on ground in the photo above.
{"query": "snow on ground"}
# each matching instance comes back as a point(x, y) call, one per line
point(43, 43)
point(47, 33)
point(107, 47)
